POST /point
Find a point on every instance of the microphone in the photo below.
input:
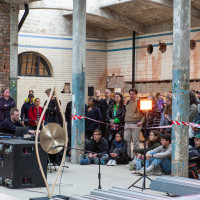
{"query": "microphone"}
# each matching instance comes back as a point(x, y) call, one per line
point(57, 146)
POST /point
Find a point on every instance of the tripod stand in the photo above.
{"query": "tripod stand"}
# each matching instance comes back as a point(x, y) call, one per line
point(144, 176)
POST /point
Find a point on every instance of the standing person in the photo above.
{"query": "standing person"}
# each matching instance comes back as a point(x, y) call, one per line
point(159, 157)
point(6, 103)
point(104, 107)
point(93, 113)
point(34, 114)
point(27, 99)
point(133, 121)
point(98, 99)
point(166, 117)
point(193, 111)
point(118, 150)
point(25, 109)
point(160, 101)
point(153, 116)
point(52, 114)
point(115, 115)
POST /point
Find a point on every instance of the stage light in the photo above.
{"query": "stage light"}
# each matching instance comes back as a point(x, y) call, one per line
point(145, 105)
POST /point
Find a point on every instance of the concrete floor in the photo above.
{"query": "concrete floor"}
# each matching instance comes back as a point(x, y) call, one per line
point(79, 179)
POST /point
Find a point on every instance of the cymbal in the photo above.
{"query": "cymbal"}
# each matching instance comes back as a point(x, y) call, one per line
point(52, 135)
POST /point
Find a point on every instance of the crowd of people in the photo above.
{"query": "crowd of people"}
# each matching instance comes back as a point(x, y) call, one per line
point(114, 127)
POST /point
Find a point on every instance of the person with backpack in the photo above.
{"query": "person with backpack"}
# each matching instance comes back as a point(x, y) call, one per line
point(133, 121)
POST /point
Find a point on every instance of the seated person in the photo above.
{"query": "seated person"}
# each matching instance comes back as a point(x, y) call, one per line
point(159, 157)
point(194, 158)
point(34, 114)
point(152, 143)
point(118, 150)
point(9, 125)
point(97, 145)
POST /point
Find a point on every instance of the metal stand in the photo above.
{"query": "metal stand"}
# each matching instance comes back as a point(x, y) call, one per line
point(99, 174)
point(144, 176)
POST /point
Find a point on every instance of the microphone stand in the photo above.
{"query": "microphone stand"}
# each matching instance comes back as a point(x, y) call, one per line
point(99, 155)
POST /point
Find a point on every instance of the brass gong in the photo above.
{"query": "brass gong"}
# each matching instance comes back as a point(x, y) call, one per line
point(51, 136)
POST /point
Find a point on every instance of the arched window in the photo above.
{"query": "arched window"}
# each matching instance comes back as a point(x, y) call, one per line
point(32, 64)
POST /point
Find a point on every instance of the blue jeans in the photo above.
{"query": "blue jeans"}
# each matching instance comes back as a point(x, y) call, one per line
point(165, 163)
point(103, 160)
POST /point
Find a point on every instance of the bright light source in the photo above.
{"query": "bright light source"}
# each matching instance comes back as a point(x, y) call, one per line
point(145, 104)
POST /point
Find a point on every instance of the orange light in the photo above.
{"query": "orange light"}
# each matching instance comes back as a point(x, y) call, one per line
point(145, 104)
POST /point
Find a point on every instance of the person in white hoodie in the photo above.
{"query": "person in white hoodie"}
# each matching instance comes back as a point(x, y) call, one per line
point(159, 157)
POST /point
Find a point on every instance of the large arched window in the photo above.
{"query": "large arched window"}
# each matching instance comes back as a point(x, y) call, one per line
point(32, 64)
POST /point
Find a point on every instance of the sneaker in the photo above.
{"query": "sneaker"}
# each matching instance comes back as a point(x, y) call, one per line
point(141, 171)
point(157, 171)
point(114, 163)
point(130, 166)
point(109, 162)
point(149, 170)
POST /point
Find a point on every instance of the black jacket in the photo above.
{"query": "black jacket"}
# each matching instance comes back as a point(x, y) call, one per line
point(5, 107)
point(68, 112)
point(52, 113)
point(25, 109)
point(9, 127)
point(122, 150)
point(98, 103)
point(120, 114)
point(98, 147)
point(104, 107)
point(95, 114)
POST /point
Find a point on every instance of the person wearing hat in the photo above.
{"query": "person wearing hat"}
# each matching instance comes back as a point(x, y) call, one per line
point(194, 158)
point(27, 99)
point(25, 109)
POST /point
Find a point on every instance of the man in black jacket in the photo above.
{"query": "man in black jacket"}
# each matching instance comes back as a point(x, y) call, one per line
point(25, 109)
point(104, 107)
point(98, 146)
point(9, 125)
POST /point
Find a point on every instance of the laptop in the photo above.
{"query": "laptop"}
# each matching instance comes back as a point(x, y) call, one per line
point(21, 131)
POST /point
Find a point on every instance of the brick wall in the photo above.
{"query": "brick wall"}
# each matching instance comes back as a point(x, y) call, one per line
point(153, 67)
point(58, 51)
point(4, 44)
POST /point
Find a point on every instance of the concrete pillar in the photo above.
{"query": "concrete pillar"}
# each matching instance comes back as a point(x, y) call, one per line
point(180, 85)
point(78, 76)
point(14, 11)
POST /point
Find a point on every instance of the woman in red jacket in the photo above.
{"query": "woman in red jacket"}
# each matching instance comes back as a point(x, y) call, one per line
point(34, 114)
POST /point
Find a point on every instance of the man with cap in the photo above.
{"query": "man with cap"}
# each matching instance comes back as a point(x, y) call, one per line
point(194, 158)
point(25, 109)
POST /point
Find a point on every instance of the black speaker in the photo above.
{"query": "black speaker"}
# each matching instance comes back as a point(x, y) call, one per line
point(18, 164)
point(91, 91)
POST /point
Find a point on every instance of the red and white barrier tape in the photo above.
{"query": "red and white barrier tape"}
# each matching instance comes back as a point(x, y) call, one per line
point(76, 117)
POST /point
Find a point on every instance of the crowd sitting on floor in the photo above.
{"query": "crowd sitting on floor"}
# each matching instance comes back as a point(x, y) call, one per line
point(109, 142)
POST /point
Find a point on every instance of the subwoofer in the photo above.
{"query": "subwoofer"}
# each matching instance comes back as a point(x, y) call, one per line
point(18, 164)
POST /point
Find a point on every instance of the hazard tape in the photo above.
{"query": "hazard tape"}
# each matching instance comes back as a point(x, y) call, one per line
point(78, 117)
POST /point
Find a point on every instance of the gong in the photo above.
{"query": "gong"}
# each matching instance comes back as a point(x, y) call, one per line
point(51, 136)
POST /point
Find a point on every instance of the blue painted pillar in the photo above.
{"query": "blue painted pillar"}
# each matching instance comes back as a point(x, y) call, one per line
point(78, 76)
point(180, 86)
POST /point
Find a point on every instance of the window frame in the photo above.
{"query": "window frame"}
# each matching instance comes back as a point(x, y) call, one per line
point(39, 59)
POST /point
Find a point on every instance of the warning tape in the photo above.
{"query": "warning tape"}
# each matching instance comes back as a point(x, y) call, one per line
point(78, 117)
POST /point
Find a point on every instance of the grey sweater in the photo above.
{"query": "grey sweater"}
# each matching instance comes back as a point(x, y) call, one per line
point(161, 152)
